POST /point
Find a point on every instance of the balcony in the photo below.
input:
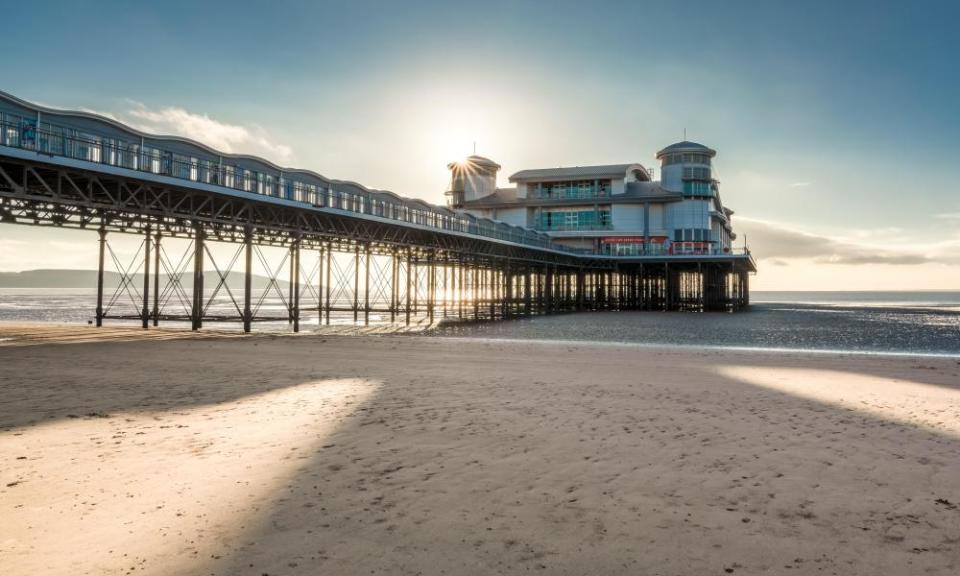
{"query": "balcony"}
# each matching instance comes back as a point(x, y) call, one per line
point(568, 227)
point(569, 190)
point(570, 194)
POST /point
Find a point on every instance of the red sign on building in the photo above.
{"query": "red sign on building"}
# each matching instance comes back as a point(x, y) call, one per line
point(632, 240)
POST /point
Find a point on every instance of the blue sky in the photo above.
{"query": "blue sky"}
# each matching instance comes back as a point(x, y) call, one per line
point(836, 122)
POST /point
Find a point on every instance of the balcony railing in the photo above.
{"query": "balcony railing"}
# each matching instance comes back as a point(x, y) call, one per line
point(570, 194)
point(564, 227)
point(66, 141)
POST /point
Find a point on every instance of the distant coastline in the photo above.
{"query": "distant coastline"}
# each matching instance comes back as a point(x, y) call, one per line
point(55, 278)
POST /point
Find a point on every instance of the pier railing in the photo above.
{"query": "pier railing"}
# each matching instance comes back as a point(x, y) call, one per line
point(65, 141)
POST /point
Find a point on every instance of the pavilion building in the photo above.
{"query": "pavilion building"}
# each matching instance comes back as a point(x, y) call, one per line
point(615, 210)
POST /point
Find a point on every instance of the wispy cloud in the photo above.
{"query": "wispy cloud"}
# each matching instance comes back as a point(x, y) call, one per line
point(800, 184)
point(780, 242)
point(175, 121)
point(223, 136)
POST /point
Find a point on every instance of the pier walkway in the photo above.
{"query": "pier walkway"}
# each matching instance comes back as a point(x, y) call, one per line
point(347, 249)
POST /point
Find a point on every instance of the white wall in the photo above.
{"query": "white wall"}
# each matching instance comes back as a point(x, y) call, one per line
point(627, 217)
point(479, 185)
point(671, 177)
point(688, 214)
point(617, 186)
point(658, 225)
point(515, 216)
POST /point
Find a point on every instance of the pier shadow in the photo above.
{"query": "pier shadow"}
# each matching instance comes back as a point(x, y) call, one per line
point(567, 459)
point(115, 371)
point(479, 457)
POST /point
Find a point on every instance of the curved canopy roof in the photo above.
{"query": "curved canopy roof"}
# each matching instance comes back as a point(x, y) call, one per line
point(606, 171)
point(687, 146)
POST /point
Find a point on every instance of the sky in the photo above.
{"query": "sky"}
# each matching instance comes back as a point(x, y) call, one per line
point(836, 123)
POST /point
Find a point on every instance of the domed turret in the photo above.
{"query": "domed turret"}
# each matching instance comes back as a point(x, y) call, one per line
point(471, 179)
point(686, 167)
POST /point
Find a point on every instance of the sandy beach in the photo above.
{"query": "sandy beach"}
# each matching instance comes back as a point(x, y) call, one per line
point(122, 453)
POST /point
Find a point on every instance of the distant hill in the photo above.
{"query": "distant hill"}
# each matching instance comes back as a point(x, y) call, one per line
point(88, 279)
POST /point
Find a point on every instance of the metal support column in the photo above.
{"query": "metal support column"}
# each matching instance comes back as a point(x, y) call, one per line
point(394, 280)
point(156, 278)
point(356, 284)
point(290, 287)
point(409, 263)
point(431, 285)
point(329, 282)
point(197, 312)
point(145, 315)
point(103, 246)
point(295, 284)
point(247, 279)
point(366, 285)
point(320, 288)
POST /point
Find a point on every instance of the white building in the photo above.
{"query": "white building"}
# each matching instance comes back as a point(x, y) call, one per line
point(614, 209)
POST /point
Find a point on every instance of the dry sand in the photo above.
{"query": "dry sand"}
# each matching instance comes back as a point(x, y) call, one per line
point(413, 455)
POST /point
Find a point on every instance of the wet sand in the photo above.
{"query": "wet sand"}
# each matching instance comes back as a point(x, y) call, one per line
point(285, 455)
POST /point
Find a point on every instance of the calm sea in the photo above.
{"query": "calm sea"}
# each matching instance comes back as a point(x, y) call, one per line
point(898, 322)
point(880, 322)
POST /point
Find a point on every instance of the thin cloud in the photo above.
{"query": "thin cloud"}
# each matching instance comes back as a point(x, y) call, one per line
point(230, 138)
point(776, 242)
point(800, 184)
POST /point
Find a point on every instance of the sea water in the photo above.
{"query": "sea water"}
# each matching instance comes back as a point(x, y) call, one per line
point(885, 322)
point(878, 322)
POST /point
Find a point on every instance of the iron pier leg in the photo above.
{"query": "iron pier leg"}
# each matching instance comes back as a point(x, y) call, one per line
point(103, 246)
point(156, 278)
point(290, 286)
point(526, 292)
point(197, 280)
point(548, 290)
point(460, 271)
point(492, 290)
point(295, 284)
point(407, 275)
point(366, 286)
point(320, 288)
point(475, 295)
point(445, 292)
point(394, 280)
point(356, 284)
point(431, 285)
point(507, 292)
point(329, 281)
point(145, 314)
point(247, 280)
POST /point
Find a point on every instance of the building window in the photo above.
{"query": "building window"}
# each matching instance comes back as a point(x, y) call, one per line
point(560, 220)
point(697, 188)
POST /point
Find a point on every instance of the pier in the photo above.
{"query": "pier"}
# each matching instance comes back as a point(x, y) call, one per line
point(345, 249)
